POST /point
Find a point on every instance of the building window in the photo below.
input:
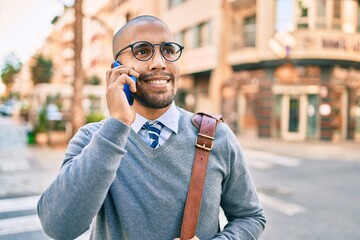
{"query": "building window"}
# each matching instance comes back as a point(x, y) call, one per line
point(179, 38)
point(303, 21)
point(249, 31)
point(284, 15)
point(187, 38)
point(202, 34)
point(321, 14)
point(337, 15)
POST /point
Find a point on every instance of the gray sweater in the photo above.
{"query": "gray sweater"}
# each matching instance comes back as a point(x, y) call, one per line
point(130, 191)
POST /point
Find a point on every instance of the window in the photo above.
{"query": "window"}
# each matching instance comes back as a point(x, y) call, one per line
point(249, 31)
point(187, 40)
point(201, 35)
point(179, 38)
point(284, 15)
point(337, 15)
point(321, 14)
point(303, 14)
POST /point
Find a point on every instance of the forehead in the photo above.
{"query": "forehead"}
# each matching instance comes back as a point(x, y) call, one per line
point(153, 32)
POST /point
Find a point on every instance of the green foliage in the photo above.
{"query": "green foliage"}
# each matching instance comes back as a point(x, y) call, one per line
point(42, 70)
point(94, 117)
point(41, 124)
point(11, 67)
point(94, 80)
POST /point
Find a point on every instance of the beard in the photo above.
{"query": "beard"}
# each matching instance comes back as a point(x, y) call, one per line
point(151, 99)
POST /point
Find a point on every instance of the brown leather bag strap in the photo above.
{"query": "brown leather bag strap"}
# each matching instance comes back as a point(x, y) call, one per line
point(204, 143)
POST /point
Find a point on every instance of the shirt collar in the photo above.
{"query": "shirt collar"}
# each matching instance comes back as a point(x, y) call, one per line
point(170, 119)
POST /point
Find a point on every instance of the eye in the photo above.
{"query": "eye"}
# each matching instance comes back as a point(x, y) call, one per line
point(169, 50)
point(142, 49)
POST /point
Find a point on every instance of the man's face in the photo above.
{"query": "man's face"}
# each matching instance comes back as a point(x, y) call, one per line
point(157, 84)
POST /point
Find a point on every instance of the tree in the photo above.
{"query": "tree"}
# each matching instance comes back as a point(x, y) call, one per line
point(94, 80)
point(42, 70)
point(11, 67)
point(78, 118)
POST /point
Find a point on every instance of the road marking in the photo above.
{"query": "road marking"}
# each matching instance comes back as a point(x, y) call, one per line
point(284, 207)
point(265, 160)
point(23, 224)
point(18, 204)
point(258, 164)
point(16, 225)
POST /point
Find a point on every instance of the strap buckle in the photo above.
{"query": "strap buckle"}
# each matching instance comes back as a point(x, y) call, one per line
point(203, 146)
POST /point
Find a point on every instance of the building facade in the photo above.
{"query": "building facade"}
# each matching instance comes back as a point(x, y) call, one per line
point(286, 69)
point(296, 69)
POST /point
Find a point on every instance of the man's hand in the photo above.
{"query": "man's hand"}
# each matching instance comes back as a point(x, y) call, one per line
point(118, 105)
point(194, 238)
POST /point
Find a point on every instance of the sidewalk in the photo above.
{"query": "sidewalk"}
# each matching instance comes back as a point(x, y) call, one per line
point(309, 150)
point(25, 169)
point(30, 173)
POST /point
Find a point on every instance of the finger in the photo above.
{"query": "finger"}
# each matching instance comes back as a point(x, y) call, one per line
point(124, 79)
point(133, 73)
point(131, 83)
point(111, 77)
point(115, 74)
point(127, 70)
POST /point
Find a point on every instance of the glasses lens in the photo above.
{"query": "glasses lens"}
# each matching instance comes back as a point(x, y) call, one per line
point(171, 51)
point(142, 51)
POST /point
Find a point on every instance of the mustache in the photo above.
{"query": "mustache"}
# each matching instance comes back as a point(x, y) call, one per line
point(144, 76)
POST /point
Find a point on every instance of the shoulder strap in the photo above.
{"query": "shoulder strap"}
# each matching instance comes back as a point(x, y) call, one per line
point(207, 127)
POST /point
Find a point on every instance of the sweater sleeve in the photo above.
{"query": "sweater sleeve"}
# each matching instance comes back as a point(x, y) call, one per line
point(239, 200)
point(67, 207)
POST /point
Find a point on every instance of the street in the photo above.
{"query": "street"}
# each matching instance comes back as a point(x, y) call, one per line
point(310, 199)
point(305, 196)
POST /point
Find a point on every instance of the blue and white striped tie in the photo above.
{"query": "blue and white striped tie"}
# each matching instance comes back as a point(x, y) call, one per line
point(153, 128)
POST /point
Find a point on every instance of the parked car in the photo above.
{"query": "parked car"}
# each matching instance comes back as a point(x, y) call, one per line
point(8, 108)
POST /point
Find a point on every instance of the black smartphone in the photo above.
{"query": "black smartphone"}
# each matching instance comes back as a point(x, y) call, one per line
point(128, 93)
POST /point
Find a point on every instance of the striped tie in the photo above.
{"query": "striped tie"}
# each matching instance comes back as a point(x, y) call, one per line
point(153, 128)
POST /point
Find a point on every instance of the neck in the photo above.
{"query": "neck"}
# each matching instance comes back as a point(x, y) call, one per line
point(149, 113)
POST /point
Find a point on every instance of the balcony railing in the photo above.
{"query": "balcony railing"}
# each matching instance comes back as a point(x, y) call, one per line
point(244, 38)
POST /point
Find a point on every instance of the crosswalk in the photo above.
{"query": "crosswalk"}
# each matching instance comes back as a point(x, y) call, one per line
point(266, 160)
point(11, 225)
point(26, 220)
point(262, 160)
point(18, 224)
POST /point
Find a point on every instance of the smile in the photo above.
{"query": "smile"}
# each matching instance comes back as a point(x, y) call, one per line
point(157, 82)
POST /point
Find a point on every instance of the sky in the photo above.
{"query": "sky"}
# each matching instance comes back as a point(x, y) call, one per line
point(25, 24)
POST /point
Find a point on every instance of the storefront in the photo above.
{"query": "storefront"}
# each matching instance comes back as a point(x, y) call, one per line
point(295, 101)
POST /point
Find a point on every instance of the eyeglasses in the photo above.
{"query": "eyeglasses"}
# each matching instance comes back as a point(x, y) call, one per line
point(143, 50)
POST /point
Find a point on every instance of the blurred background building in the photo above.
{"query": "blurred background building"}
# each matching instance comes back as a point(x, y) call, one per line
point(285, 69)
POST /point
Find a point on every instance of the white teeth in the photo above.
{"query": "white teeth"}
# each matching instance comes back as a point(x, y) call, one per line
point(157, 82)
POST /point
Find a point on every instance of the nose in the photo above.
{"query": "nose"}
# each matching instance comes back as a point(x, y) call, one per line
point(157, 62)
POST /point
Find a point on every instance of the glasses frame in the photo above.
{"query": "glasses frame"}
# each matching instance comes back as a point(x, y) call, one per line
point(153, 50)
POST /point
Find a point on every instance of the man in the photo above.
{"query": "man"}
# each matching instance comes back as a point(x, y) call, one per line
point(132, 186)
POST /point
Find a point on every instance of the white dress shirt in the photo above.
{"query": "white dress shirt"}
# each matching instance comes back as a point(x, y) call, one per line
point(170, 119)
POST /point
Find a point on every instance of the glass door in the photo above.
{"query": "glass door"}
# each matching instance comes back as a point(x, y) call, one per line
point(294, 113)
point(312, 118)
